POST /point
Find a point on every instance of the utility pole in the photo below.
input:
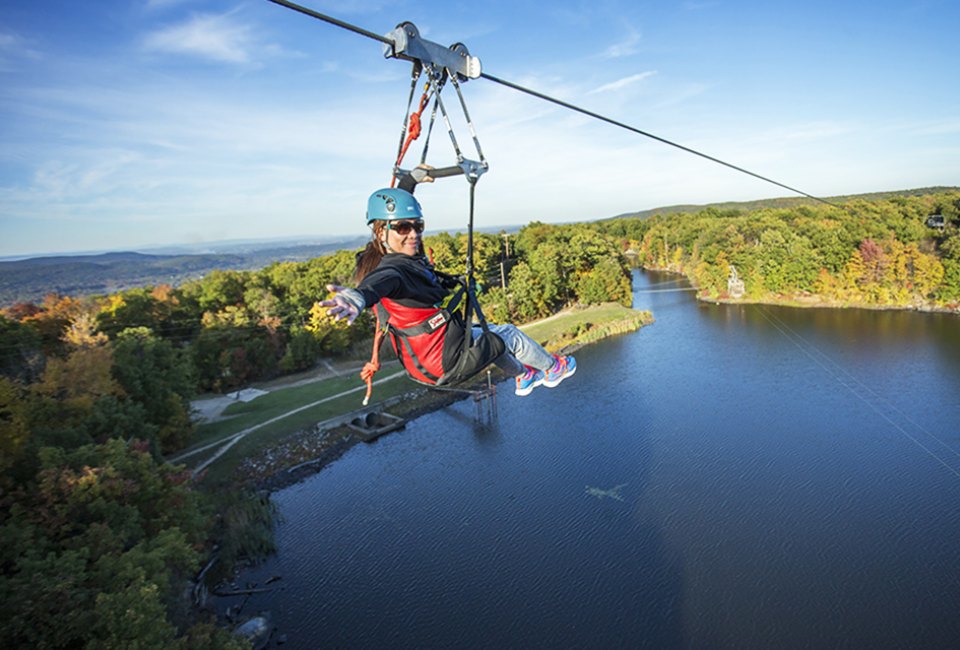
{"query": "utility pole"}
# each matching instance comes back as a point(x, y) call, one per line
point(503, 259)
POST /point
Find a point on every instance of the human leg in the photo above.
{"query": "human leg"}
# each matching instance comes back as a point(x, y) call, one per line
point(521, 347)
point(529, 361)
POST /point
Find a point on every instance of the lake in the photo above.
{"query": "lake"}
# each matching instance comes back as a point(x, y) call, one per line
point(729, 477)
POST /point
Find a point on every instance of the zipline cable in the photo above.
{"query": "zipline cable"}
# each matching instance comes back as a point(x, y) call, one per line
point(647, 134)
point(333, 21)
point(850, 387)
point(872, 396)
point(559, 102)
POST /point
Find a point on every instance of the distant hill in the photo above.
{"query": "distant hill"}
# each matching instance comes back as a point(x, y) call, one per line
point(782, 202)
point(31, 279)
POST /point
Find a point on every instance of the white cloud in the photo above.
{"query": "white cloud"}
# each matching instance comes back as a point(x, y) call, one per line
point(624, 48)
point(9, 42)
point(14, 47)
point(208, 36)
point(186, 164)
point(53, 178)
point(622, 83)
point(799, 134)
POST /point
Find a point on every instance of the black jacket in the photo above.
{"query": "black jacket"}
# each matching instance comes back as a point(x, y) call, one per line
point(409, 281)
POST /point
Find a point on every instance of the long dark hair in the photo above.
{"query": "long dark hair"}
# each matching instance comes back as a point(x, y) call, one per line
point(369, 258)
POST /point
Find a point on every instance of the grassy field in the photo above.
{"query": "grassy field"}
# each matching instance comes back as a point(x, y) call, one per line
point(564, 328)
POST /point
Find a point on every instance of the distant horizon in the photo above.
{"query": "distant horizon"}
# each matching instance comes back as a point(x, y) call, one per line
point(210, 246)
point(151, 250)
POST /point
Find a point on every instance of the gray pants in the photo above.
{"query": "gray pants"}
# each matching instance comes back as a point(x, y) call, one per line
point(521, 350)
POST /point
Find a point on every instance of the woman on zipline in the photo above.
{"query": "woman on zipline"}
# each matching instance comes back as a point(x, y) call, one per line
point(394, 274)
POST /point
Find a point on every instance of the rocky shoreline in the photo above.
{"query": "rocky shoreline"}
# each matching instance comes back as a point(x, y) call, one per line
point(305, 453)
point(813, 301)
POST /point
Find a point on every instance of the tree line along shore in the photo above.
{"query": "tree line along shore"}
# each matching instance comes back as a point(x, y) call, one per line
point(101, 536)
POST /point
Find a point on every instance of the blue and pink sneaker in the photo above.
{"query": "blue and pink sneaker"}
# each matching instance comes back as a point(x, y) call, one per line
point(529, 380)
point(563, 368)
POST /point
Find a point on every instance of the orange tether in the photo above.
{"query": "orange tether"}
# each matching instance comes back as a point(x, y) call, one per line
point(413, 131)
point(371, 367)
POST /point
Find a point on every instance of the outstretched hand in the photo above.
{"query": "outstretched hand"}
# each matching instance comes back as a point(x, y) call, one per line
point(339, 307)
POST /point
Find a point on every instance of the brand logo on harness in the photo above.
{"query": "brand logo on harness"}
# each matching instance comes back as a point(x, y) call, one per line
point(437, 321)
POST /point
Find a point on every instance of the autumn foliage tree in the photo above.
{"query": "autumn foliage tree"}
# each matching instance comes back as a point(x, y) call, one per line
point(98, 536)
point(96, 552)
point(880, 252)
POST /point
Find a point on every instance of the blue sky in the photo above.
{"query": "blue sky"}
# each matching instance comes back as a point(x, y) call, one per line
point(130, 124)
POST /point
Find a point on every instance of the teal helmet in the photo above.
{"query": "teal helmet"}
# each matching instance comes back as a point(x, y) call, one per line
point(390, 204)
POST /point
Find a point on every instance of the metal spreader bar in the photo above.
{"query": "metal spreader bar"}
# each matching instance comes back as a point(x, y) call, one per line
point(437, 172)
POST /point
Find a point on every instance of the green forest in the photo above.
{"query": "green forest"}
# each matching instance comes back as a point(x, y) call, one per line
point(99, 537)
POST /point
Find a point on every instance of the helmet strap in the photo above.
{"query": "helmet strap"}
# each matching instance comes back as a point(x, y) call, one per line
point(380, 236)
point(386, 246)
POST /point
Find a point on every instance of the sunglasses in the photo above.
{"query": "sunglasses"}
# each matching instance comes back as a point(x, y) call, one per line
point(405, 227)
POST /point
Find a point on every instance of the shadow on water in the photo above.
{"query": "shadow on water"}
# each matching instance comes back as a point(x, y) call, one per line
point(483, 420)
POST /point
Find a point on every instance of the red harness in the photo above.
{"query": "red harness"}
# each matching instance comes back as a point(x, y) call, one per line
point(418, 335)
point(434, 345)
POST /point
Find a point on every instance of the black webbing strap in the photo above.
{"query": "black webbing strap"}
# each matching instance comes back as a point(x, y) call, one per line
point(383, 316)
point(469, 284)
point(454, 302)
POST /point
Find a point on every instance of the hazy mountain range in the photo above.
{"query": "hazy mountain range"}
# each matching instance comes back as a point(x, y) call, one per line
point(79, 275)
